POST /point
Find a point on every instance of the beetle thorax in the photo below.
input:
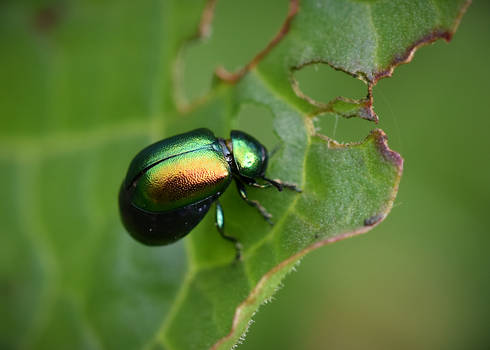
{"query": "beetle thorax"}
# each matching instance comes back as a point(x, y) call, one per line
point(249, 155)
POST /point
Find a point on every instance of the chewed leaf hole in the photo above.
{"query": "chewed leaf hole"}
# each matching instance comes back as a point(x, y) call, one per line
point(254, 24)
point(322, 83)
point(341, 130)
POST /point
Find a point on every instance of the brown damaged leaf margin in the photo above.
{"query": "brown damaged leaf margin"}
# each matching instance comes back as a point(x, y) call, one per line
point(203, 31)
point(248, 307)
point(407, 56)
point(206, 19)
point(381, 144)
point(365, 108)
point(229, 77)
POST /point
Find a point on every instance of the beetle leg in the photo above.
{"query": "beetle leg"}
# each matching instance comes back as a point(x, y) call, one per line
point(243, 193)
point(256, 184)
point(220, 224)
point(280, 185)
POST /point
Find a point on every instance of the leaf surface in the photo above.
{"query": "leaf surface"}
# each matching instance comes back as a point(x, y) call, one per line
point(88, 84)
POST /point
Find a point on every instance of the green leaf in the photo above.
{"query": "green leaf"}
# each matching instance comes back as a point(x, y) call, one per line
point(87, 84)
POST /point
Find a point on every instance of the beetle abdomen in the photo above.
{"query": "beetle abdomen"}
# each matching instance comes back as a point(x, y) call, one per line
point(160, 228)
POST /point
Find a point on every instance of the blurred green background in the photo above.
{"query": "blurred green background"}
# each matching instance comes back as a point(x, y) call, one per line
point(421, 279)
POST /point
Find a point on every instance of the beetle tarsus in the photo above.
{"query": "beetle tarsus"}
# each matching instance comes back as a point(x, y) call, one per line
point(280, 185)
point(257, 185)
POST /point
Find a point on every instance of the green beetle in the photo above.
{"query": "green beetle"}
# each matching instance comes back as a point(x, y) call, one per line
point(171, 184)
